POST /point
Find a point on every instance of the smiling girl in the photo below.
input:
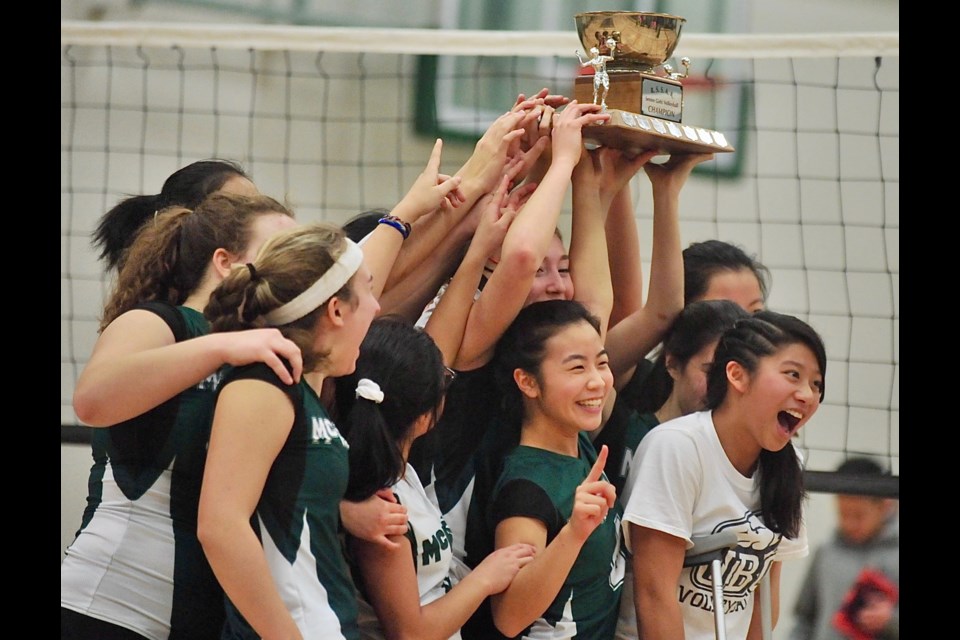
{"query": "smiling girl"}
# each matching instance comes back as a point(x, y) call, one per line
point(552, 494)
point(731, 467)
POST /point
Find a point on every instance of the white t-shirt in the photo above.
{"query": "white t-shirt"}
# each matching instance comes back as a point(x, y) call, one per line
point(682, 483)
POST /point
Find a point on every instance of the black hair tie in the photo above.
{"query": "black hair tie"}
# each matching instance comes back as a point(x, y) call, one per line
point(253, 272)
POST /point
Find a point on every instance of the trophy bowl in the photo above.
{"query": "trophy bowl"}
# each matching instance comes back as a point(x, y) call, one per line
point(644, 40)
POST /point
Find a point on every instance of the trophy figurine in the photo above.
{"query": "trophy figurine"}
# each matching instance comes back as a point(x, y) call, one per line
point(632, 82)
point(601, 79)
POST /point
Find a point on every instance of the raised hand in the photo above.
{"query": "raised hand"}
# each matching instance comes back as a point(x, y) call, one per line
point(616, 169)
point(554, 100)
point(673, 173)
point(593, 499)
point(495, 218)
point(431, 190)
point(567, 133)
point(499, 142)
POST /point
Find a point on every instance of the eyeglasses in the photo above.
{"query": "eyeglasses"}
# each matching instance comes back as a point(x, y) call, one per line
point(449, 375)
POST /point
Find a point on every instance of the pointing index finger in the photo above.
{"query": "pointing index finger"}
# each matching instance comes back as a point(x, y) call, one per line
point(597, 471)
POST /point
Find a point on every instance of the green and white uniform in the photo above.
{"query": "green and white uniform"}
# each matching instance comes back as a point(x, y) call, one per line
point(432, 545)
point(541, 484)
point(298, 516)
point(136, 562)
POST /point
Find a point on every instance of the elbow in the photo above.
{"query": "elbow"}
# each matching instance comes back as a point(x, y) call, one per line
point(209, 532)
point(509, 625)
point(509, 630)
point(204, 533)
point(668, 310)
point(520, 259)
point(88, 408)
point(663, 317)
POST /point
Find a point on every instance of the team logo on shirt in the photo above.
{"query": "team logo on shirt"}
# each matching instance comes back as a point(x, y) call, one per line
point(211, 382)
point(435, 545)
point(743, 566)
point(324, 430)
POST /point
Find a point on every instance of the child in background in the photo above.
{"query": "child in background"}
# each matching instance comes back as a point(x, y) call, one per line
point(865, 550)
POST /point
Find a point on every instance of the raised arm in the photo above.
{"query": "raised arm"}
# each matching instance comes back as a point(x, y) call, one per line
point(427, 235)
point(599, 176)
point(438, 240)
point(534, 145)
point(639, 333)
point(409, 296)
point(447, 323)
point(429, 193)
point(482, 171)
point(527, 241)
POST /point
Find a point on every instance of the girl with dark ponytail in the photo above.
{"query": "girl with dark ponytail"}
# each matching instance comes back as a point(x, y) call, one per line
point(730, 467)
point(395, 395)
point(186, 187)
point(136, 566)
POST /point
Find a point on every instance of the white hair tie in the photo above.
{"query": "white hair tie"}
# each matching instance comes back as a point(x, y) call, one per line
point(370, 390)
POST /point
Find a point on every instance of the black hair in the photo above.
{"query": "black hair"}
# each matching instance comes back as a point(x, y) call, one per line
point(861, 467)
point(779, 475)
point(186, 187)
point(703, 260)
point(361, 225)
point(408, 366)
point(697, 325)
point(523, 346)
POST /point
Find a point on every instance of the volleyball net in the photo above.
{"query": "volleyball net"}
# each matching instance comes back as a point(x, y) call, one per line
point(335, 121)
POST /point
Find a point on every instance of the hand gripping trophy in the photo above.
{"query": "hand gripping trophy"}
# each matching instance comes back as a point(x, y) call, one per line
point(601, 80)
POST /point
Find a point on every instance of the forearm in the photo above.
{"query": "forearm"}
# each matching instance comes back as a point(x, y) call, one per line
point(665, 297)
point(117, 388)
point(427, 239)
point(534, 227)
point(447, 323)
point(380, 252)
point(445, 616)
point(658, 613)
point(589, 265)
point(411, 295)
point(623, 253)
point(536, 585)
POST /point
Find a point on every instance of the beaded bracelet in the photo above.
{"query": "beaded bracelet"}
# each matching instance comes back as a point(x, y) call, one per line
point(398, 224)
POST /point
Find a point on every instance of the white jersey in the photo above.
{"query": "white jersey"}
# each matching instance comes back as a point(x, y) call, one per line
point(682, 483)
point(437, 570)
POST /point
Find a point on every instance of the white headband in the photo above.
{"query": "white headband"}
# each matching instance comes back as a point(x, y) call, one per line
point(326, 285)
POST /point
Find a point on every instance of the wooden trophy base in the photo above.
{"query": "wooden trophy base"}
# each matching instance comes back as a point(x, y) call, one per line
point(630, 130)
